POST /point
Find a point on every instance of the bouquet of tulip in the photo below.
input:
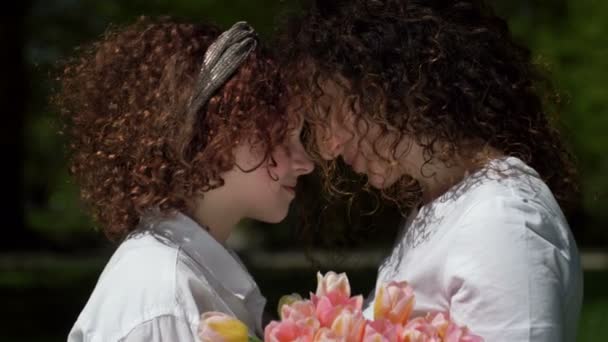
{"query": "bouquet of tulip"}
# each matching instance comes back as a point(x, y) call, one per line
point(331, 314)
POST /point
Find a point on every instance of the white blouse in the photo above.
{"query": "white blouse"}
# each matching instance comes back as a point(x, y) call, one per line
point(497, 253)
point(160, 280)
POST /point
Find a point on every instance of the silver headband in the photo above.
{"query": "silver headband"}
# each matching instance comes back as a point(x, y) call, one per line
point(223, 57)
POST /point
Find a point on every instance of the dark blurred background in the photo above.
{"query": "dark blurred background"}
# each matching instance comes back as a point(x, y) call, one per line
point(51, 254)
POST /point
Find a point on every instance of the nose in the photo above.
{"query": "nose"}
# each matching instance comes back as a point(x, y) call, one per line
point(302, 162)
point(330, 146)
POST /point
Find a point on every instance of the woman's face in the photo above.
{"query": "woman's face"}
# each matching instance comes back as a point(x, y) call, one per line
point(382, 154)
point(266, 192)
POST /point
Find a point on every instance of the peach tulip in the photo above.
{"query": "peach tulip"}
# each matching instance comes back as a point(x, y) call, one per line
point(332, 283)
point(381, 330)
point(394, 301)
point(350, 325)
point(327, 335)
point(287, 331)
point(455, 333)
point(440, 321)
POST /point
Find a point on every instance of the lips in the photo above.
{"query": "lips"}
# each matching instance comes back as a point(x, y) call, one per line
point(290, 188)
point(357, 165)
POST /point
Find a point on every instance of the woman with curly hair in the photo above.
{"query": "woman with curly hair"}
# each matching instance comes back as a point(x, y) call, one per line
point(443, 112)
point(177, 131)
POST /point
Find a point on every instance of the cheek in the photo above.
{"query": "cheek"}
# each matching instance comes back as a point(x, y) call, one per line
point(351, 150)
point(262, 189)
point(280, 167)
point(249, 157)
point(381, 161)
point(382, 175)
point(381, 169)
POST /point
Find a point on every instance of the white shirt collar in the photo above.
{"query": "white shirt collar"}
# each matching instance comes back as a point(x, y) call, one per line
point(199, 245)
point(220, 262)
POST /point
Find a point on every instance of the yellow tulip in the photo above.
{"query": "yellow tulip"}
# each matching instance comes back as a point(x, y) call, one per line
point(219, 327)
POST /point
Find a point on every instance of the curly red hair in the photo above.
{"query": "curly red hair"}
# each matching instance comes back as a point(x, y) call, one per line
point(120, 100)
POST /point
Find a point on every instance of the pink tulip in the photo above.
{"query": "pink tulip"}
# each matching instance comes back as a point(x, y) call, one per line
point(287, 331)
point(454, 333)
point(327, 335)
point(302, 312)
point(325, 311)
point(331, 315)
point(448, 330)
point(435, 327)
point(327, 308)
point(394, 301)
point(413, 335)
point(219, 327)
point(332, 297)
point(470, 337)
point(350, 325)
point(440, 321)
point(419, 330)
point(381, 330)
point(332, 283)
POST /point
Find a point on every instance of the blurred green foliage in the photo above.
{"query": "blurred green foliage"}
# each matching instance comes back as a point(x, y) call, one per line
point(573, 45)
point(568, 36)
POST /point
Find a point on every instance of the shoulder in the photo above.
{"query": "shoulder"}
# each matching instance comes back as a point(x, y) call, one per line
point(138, 286)
point(141, 265)
point(511, 246)
point(514, 201)
point(514, 219)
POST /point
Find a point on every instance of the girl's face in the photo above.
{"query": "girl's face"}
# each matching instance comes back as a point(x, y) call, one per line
point(383, 155)
point(265, 193)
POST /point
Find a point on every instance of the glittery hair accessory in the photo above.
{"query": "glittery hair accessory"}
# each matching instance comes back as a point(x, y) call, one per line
point(223, 57)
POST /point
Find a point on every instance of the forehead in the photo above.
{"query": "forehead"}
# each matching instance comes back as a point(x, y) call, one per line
point(321, 94)
point(333, 89)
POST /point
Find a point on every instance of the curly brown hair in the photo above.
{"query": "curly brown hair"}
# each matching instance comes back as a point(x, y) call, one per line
point(120, 100)
point(440, 71)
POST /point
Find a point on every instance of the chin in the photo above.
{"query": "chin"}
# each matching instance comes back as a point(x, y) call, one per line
point(381, 183)
point(277, 219)
point(273, 217)
point(377, 181)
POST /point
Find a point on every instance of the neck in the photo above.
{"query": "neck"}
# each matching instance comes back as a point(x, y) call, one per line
point(437, 177)
point(216, 210)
